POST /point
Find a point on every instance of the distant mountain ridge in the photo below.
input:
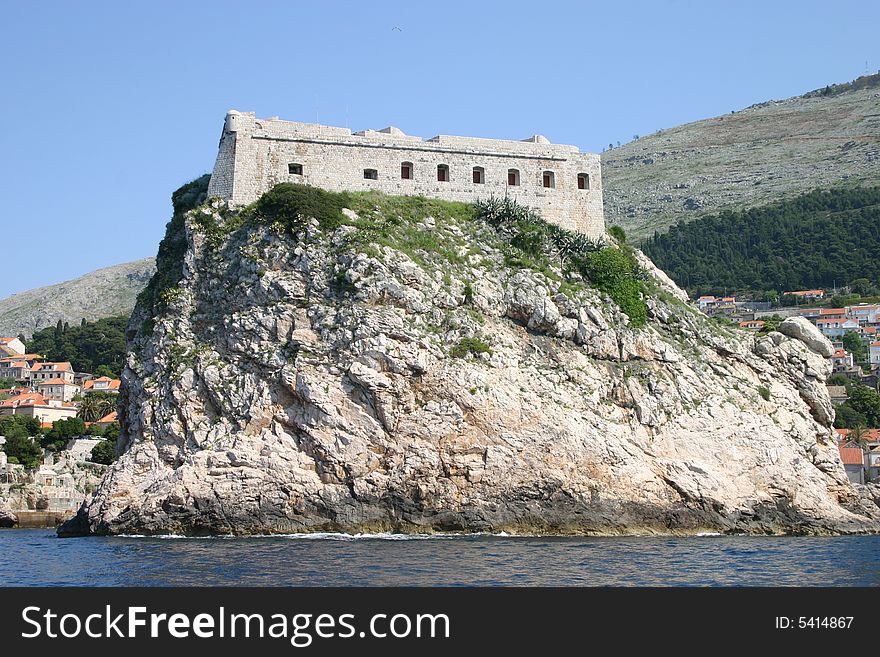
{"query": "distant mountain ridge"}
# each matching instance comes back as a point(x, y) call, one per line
point(766, 153)
point(103, 293)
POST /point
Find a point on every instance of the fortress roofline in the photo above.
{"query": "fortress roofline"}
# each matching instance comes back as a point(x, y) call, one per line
point(274, 124)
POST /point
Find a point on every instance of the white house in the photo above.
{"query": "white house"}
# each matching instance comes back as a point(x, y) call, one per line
point(11, 347)
point(46, 371)
point(836, 327)
point(57, 389)
point(874, 353)
point(864, 313)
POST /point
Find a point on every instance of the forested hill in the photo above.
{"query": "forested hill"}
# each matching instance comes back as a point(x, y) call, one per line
point(812, 241)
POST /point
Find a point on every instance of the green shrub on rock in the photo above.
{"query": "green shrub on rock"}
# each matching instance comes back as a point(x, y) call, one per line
point(291, 205)
point(615, 272)
point(467, 346)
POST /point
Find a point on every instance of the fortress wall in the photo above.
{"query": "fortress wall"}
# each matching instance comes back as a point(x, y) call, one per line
point(258, 153)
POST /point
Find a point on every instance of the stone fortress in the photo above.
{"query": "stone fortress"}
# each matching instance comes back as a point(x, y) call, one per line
point(559, 181)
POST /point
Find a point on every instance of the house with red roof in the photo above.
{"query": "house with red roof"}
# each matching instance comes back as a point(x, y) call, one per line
point(842, 360)
point(853, 462)
point(833, 327)
point(15, 369)
point(752, 324)
point(57, 389)
point(102, 384)
point(33, 404)
point(11, 347)
point(865, 313)
point(45, 371)
point(706, 303)
point(806, 295)
point(107, 420)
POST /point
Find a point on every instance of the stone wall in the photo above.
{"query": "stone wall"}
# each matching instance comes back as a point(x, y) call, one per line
point(256, 154)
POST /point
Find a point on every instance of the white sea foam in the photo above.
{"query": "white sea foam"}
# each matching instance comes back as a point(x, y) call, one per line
point(319, 536)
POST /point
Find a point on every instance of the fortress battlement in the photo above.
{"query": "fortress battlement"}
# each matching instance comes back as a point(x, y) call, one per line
point(558, 180)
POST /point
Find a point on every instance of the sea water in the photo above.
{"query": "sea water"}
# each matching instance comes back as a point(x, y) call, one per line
point(35, 557)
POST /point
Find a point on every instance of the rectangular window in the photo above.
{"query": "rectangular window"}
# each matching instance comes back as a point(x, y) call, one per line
point(295, 169)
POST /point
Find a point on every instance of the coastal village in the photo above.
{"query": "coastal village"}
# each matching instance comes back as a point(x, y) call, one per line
point(50, 395)
point(854, 332)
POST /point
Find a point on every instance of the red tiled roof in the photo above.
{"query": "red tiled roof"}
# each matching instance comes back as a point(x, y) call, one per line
point(59, 367)
point(872, 435)
point(112, 384)
point(841, 320)
point(24, 399)
point(28, 399)
point(832, 311)
point(851, 455)
point(16, 364)
point(840, 353)
point(54, 382)
point(806, 293)
point(875, 344)
point(108, 419)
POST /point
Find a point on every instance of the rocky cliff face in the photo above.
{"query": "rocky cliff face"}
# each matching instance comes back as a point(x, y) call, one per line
point(405, 370)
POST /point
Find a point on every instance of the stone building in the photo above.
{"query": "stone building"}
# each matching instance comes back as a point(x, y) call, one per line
point(562, 183)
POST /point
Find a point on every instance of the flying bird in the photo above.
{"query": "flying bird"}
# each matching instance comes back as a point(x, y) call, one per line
point(396, 28)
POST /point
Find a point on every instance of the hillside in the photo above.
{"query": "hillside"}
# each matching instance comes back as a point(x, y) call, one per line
point(765, 153)
point(103, 293)
point(817, 240)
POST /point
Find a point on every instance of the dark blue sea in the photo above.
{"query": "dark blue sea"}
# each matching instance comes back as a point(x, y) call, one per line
point(35, 557)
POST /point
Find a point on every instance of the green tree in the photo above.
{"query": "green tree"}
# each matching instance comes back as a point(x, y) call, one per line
point(811, 241)
point(846, 417)
point(88, 346)
point(62, 431)
point(839, 380)
point(865, 400)
point(104, 452)
point(19, 424)
point(853, 343)
point(618, 233)
point(96, 405)
point(103, 370)
point(24, 449)
point(860, 286)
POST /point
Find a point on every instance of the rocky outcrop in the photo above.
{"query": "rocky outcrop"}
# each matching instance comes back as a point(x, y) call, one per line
point(802, 329)
point(8, 519)
point(417, 378)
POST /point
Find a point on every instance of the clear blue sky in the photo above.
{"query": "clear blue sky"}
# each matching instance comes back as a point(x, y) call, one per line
point(107, 107)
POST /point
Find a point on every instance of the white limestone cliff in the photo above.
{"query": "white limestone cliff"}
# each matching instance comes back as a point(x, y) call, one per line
point(306, 383)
